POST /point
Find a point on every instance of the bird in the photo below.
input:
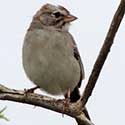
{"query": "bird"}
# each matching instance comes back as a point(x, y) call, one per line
point(51, 59)
point(50, 56)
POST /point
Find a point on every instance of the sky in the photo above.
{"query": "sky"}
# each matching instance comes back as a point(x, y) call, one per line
point(106, 105)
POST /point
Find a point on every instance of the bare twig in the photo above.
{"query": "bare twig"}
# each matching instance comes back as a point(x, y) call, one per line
point(74, 109)
point(104, 52)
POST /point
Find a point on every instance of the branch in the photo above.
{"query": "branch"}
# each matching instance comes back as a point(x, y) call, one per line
point(74, 109)
point(104, 52)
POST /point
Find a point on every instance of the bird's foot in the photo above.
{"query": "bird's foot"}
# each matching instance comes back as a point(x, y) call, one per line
point(66, 102)
point(31, 90)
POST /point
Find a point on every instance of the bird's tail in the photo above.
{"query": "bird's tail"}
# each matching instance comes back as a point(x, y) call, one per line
point(75, 96)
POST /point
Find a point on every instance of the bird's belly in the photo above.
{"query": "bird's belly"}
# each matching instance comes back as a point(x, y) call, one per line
point(53, 71)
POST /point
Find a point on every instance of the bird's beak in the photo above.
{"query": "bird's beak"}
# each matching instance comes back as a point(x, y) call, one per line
point(69, 18)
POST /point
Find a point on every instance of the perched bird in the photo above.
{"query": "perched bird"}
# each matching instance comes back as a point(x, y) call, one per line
point(50, 56)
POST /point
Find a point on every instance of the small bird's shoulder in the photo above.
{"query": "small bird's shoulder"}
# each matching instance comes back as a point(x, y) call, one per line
point(78, 58)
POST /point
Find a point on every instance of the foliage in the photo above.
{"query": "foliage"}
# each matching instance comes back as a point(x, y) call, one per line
point(2, 116)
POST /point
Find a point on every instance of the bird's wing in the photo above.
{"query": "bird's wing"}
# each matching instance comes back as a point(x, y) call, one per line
point(78, 58)
point(75, 95)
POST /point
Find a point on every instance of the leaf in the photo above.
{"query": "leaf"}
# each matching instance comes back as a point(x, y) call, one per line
point(2, 116)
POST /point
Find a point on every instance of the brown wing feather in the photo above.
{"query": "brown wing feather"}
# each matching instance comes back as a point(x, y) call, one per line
point(75, 95)
point(78, 58)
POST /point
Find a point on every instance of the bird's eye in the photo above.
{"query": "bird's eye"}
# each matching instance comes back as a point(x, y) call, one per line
point(57, 14)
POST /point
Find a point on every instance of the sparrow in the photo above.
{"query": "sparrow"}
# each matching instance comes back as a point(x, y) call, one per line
point(50, 56)
point(51, 59)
